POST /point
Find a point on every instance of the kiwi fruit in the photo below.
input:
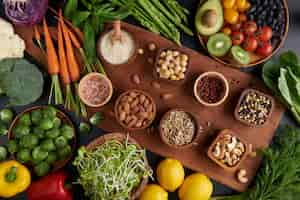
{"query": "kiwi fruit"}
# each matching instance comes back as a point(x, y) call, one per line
point(240, 55)
point(219, 44)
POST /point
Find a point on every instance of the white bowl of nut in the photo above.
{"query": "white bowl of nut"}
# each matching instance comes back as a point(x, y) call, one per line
point(228, 150)
point(171, 65)
point(135, 110)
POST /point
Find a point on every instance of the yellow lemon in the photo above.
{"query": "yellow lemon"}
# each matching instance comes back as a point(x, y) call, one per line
point(170, 174)
point(196, 186)
point(154, 192)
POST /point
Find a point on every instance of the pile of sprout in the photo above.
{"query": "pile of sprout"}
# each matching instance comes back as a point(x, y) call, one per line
point(111, 171)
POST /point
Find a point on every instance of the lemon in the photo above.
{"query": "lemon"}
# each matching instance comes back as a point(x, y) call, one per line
point(154, 192)
point(196, 186)
point(170, 174)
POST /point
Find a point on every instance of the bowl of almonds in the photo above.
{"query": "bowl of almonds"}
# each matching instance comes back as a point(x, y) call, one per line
point(135, 110)
point(171, 65)
point(228, 150)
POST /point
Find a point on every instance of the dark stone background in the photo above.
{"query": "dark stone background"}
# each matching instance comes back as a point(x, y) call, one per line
point(292, 42)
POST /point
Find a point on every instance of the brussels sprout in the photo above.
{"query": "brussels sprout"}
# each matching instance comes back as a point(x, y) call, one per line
point(46, 124)
point(56, 122)
point(96, 118)
point(52, 157)
point(21, 130)
point(6, 115)
point(24, 155)
point(64, 152)
point(36, 117)
point(53, 133)
point(12, 146)
point(29, 141)
point(67, 131)
point(40, 133)
point(48, 145)
point(38, 154)
point(25, 119)
point(3, 153)
point(42, 169)
point(60, 142)
point(49, 112)
point(84, 128)
point(3, 129)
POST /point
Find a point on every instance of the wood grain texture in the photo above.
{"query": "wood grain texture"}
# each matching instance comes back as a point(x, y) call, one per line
point(211, 119)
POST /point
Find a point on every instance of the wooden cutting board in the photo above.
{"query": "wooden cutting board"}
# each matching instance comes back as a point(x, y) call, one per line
point(211, 119)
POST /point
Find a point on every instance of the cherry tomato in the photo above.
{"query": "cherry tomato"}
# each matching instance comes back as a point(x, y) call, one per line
point(250, 27)
point(250, 44)
point(236, 27)
point(243, 17)
point(228, 3)
point(265, 33)
point(237, 38)
point(231, 16)
point(227, 30)
point(264, 48)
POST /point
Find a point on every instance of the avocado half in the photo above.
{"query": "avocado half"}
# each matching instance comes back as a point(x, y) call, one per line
point(206, 24)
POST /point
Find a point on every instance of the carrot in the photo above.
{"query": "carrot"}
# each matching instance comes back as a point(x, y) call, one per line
point(74, 40)
point(52, 60)
point(72, 62)
point(37, 34)
point(64, 73)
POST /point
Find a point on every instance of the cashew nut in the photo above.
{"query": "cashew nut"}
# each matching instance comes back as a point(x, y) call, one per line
point(237, 152)
point(242, 176)
point(232, 145)
point(241, 146)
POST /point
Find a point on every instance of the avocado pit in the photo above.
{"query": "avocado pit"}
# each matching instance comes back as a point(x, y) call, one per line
point(209, 18)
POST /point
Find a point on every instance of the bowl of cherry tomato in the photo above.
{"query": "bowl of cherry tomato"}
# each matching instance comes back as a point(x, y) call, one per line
point(242, 33)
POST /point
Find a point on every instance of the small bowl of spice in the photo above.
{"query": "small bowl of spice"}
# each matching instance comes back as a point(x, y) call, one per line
point(228, 150)
point(178, 129)
point(95, 90)
point(211, 89)
point(254, 108)
point(135, 110)
point(171, 65)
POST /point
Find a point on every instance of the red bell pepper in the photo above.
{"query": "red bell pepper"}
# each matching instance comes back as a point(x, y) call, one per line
point(51, 187)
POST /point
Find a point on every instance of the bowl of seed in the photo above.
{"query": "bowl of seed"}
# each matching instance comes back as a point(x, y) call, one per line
point(171, 65)
point(211, 89)
point(178, 129)
point(254, 108)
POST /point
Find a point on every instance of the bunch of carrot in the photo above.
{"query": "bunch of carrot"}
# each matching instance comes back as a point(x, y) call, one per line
point(64, 66)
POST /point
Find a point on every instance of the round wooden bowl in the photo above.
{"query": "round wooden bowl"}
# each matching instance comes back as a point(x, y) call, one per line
point(60, 163)
point(255, 59)
point(215, 74)
point(165, 140)
point(155, 73)
point(121, 137)
point(130, 60)
point(118, 102)
point(101, 76)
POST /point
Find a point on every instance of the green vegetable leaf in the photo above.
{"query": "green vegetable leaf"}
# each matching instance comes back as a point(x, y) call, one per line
point(23, 84)
point(79, 17)
point(284, 87)
point(270, 74)
point(70, 7)
point(288, 58)
point(89, 41)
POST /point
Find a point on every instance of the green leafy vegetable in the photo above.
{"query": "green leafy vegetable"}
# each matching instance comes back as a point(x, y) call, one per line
point(70, 8)
point(282, 76)
point(111, 171)
point(21, 81)
point(279, 177)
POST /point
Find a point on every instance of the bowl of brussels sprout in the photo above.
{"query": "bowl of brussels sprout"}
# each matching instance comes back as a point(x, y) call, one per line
point(42, 138)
